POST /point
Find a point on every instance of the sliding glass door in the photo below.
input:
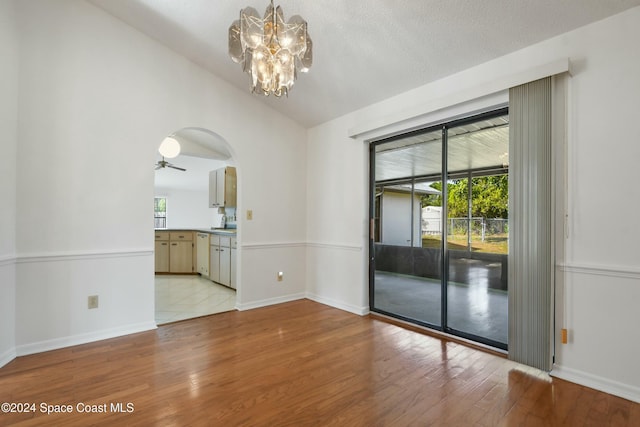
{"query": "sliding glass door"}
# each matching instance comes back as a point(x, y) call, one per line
point(439, 252)
point(477, 230)
point(407, 277)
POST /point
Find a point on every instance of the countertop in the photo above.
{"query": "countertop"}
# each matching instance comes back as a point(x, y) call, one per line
point(223, 231)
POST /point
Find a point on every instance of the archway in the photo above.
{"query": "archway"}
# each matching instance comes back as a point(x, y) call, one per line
point(192, 287)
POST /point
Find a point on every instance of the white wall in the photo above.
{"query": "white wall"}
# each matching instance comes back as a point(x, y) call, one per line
point(8, 146)
point(96, 97)
point(337, 212)
point(187, 208)
point(602, 264)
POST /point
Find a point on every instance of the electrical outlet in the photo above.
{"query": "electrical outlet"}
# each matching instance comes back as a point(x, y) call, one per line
point(92, 301)
point(249, 214)
point(280, 276)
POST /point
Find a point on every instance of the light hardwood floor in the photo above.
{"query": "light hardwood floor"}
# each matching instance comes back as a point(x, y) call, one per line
point(296, 364)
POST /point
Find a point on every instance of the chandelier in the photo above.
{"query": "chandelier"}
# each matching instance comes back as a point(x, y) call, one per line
point(271, 50)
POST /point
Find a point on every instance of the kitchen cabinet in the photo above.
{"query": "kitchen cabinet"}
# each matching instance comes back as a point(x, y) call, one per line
point(202, 254)
point(214, 254)
point(162, 252)
point(225, 261)
point(223, 187)
point(234, 247)
point(220, 254)
point(174, 252)
point(180, 257)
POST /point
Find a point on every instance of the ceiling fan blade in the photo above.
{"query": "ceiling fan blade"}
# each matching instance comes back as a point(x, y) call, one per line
point(158, 167)
point(175, 167)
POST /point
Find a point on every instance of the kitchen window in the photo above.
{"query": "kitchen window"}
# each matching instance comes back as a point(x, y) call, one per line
point(160, 212)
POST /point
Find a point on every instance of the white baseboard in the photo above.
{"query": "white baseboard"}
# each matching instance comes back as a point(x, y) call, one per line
point(360, 311)
point(57, 343)
point(7, 356)
point(615, 388)
point(269, 301)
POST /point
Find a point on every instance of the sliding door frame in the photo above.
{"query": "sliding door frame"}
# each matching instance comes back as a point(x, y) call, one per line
point(444, 175)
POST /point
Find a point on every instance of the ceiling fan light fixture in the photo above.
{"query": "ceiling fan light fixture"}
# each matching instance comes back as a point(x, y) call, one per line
point(271, 50)
point(169, 148)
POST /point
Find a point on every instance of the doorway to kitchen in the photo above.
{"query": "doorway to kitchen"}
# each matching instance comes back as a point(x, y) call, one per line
point(185, 284)
point(439, 227)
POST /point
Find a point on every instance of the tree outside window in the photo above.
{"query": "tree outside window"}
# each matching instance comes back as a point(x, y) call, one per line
point(160, 212)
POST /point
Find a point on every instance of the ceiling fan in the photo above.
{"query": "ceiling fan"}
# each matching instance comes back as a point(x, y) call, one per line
point(164, 164)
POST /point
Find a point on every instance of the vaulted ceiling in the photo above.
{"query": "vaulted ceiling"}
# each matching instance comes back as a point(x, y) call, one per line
point(364, 50)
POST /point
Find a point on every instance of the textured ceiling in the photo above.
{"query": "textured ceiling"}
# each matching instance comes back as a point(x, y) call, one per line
point(364, 50)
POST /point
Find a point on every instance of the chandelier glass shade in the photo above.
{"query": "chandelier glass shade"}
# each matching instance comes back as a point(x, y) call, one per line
point(270, 49)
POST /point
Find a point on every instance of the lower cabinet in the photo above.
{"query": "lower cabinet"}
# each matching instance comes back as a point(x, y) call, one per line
point(174, 252)
point(162, 256)
point(214, 254)
point(234, 246)
point(225, 261)
point(181, 257)
point(220, 265)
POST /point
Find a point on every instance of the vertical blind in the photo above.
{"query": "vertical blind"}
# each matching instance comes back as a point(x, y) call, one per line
point(530, 234)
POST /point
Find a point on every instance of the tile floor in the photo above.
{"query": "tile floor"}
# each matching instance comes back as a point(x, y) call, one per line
point(185, 297)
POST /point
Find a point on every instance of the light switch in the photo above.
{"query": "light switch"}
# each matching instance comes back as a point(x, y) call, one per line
point(249, 214)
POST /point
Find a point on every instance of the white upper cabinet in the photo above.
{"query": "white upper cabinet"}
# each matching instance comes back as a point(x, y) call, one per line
point(222, 187)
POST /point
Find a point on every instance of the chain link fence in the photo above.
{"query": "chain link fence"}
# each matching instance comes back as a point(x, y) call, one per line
point(474, 234)
point(478, 226)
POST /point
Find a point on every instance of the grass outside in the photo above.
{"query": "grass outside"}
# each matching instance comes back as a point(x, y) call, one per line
point(497, 244)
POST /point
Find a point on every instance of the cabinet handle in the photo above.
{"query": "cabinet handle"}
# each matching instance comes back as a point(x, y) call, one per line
point(174, 244)
point(163, 244)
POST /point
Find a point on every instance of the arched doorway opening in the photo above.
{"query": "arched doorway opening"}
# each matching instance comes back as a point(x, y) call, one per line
point(196, 241)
